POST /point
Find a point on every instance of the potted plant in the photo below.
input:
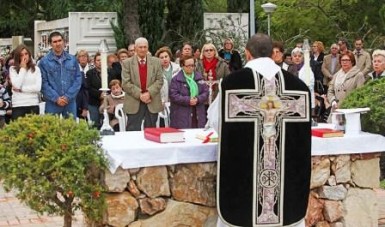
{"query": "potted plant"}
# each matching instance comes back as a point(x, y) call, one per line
point(55, 165)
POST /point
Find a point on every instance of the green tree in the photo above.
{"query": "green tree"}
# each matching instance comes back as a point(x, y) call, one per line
point(326, 21)
point(184, 22)
point(131, 20)
point(120, 39)
point(17, 17)
point(215, 6)
point(55, 165)
point(238, 6)
point(151, 18)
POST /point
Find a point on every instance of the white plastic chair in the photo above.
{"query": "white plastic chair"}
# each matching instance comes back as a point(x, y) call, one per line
point(121, 116)
point(165, 114)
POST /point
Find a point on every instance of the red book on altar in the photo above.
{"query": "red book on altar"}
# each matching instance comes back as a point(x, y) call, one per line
point(326, 132)
point(164, 135)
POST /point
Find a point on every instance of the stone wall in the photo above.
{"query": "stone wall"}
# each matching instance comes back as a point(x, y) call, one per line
point(342, 191)
point(184, 195)
point(178, 195)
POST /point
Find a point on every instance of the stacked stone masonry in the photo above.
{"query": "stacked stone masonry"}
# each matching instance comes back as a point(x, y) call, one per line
point(343, 191)
point(342, 194)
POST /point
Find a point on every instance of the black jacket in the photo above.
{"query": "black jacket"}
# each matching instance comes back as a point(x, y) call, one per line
point(235, 62)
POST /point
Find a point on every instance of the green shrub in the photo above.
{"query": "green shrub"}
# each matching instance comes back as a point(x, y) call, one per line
point(55, 165)
point(371, 95)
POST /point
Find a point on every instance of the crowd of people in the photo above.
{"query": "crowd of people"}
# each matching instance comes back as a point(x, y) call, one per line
point(336, 73)
point(186, 82)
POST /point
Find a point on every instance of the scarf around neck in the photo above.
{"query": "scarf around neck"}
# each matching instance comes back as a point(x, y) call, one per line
point(210, 65)
point(193, 86)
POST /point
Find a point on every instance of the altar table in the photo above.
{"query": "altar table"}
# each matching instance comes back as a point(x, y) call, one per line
point(132, 150)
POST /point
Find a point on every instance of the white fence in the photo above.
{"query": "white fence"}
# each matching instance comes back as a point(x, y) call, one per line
point(81, 30)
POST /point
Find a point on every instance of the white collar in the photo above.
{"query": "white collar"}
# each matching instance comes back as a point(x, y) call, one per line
point(118, 96)
point(168, 67)
point(264, 66)
point(139, 59)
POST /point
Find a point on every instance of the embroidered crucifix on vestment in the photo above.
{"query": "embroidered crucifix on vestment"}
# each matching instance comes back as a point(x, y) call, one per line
point(270, 107)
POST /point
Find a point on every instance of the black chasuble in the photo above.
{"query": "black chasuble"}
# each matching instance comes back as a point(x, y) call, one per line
point(264, 159)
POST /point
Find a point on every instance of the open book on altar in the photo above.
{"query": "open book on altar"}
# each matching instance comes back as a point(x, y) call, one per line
point(164, 135)
point(208, 136)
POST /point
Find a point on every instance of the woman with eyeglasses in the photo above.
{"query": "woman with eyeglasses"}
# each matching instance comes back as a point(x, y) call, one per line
point(188, 94)
point(348, 78)
point(212, 67)
point(230, 55)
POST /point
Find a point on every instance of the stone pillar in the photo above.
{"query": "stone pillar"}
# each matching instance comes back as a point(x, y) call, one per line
point(16, 41)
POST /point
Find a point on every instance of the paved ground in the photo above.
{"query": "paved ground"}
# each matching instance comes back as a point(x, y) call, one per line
point(14, 213)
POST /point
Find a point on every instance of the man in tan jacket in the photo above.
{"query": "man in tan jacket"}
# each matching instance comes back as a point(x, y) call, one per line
point(142, 79)
point(330, 65)
point(363, 59)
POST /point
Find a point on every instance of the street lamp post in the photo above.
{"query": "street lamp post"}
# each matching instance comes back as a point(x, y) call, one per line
point(268, 8)
point(252, 18)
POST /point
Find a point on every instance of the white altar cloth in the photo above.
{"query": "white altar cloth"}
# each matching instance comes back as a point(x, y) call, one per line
point(132, 150)
point(349, 144)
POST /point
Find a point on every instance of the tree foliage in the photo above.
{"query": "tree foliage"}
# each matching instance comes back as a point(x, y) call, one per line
point(326, 21)
point(131, 20)
point(151, 17)
point(238, 6)
point(217, 6)
point(17, 17)
point(54, 165)
point(184, 22)
point(294, 20)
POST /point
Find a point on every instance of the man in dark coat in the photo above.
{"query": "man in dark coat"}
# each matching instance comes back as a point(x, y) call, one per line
point(264, 160)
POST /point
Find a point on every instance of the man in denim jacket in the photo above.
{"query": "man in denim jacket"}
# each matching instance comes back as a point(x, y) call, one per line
point(61, 78)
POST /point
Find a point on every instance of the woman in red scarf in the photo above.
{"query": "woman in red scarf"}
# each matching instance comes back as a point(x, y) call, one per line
point(212, 67)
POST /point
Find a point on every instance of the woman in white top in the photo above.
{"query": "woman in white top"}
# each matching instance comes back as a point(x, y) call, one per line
point(170, 69)
point(26, 83)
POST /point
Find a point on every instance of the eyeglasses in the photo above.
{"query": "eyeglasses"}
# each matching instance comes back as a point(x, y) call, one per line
point(209, 50)
point(345, 60)
point(189, 66)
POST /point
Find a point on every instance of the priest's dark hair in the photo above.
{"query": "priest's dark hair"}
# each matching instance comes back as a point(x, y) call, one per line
point(260, 45)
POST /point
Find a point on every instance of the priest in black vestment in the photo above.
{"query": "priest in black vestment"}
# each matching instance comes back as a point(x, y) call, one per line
point(264, 158)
